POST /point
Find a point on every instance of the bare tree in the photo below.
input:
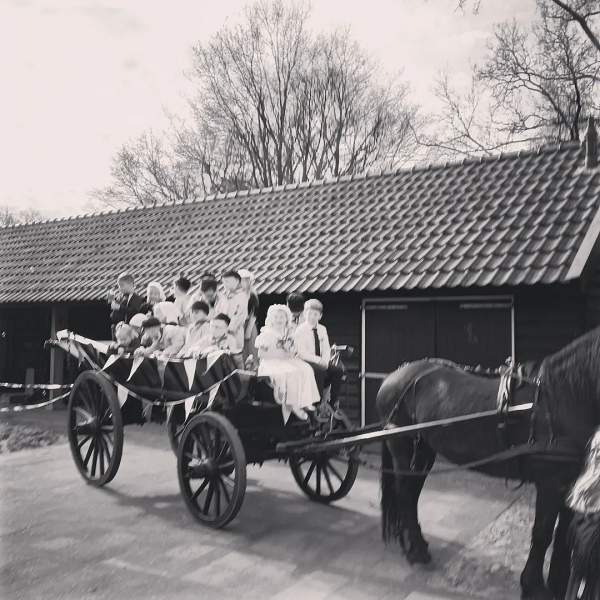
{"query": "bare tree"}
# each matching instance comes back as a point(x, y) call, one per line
point(277, 104)
point(544, 79)
point(146, 171)
point(582, 12)
point(11, 216)
point(537, 85)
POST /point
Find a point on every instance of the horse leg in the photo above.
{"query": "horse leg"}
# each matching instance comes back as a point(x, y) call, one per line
point(400, 497)
point(424, 460)
point(548, 504)
point(560, 563)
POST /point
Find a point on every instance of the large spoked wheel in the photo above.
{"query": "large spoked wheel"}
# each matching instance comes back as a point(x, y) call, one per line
point(327, 476)
point(175, 426)
point(211, 465)
point(95, 428)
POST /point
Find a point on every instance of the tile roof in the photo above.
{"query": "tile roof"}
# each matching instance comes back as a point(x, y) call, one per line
point(512, 219)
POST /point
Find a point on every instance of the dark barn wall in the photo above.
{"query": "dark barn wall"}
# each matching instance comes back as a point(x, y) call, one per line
point(593, 298)
point(546, 319)
point(23, 331)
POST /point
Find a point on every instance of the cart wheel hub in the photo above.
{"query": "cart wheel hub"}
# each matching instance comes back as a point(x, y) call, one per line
point(89, 427)
point(203, 468)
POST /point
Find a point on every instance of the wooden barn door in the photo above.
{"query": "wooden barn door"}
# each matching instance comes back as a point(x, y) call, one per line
point(472, 332)
point(393, 333)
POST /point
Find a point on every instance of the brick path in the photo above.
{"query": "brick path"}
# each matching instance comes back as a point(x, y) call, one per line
point(62, 539)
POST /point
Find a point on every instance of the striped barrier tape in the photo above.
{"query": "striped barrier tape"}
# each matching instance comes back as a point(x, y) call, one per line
point(35, 386)
point(21, 407)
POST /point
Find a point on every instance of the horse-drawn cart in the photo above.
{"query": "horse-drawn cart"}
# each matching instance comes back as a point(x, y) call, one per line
point(219, 419)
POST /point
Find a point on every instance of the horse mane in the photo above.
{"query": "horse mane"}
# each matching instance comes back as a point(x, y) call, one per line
point(574, 371)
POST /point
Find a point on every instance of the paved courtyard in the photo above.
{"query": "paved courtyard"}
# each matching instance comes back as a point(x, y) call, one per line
point(134, 539)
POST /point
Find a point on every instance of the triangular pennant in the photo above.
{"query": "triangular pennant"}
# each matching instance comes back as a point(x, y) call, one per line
point(189, 402)
point(147, 412)
point(161, 365)
point(190, 370)
point(122, 393)
point(211, 359)
point(111, 360)
point(287, 411)
point(137, 361)
point(213, 394)
point(169, 411)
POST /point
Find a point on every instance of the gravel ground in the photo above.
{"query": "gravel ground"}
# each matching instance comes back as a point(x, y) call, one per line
point(22, 437)
point(490, 565)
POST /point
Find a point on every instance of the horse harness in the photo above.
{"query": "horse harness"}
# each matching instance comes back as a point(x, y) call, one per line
point(553, 448)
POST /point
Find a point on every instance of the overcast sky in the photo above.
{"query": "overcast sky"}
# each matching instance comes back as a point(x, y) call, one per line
point(80, 78)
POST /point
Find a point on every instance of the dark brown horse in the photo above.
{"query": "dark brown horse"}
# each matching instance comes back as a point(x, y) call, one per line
point(567, 412)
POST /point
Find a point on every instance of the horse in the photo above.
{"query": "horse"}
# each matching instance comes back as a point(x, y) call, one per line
point(565, 414)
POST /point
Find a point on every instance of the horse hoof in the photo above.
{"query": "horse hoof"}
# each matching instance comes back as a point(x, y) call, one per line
point(419, 555)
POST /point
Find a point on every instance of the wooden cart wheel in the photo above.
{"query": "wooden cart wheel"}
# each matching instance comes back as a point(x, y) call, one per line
point(211, 465)
point(175, 426)
point(95, 428)
point(327, 476)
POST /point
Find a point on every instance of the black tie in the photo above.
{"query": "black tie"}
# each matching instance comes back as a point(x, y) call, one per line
point(317, 343)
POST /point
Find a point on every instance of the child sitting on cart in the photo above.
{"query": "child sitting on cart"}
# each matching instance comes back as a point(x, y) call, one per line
point(126, 340)
point(198, 329)
point(218, 340)
point(293, 379)
point(161, 338)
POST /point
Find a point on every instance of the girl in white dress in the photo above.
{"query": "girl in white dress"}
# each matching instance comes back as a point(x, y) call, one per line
point(293, 380)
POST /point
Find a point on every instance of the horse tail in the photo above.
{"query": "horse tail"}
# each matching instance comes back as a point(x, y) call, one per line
point(391, 514)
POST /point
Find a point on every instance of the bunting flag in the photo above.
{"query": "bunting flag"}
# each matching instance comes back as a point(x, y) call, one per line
point(111, 360)
point(161, 366)
point(122, 393)
point(147, 413)
point(190, 370)
point(137, 361)
point(189, 403)
point(212, 358)
point(213, 394)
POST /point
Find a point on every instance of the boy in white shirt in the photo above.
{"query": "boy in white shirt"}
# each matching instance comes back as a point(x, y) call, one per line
point(313, 346)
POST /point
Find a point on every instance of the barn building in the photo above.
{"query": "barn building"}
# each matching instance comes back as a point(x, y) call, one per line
point(472, 261)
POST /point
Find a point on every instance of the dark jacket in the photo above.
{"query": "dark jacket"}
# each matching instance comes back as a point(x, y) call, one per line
point(126, 309)
point(584, 540)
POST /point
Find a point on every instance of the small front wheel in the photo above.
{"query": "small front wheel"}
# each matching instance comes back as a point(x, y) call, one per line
point(211, 465)
point(95, 428)
point(327, 476)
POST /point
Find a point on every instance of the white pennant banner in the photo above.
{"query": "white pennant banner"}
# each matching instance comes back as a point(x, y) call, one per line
point(213, 394)
point(111, 360)
point(212, 358)
point(190, 370)
point(161, 365)
point(137, 361)
point(122, 393)
point(189, 402)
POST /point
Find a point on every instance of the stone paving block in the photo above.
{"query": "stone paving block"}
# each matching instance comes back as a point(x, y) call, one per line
point(316, 585)
point(363, 590)
point(224, 571)
point(56, 543)
point(190, 551)
point(420, 596)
